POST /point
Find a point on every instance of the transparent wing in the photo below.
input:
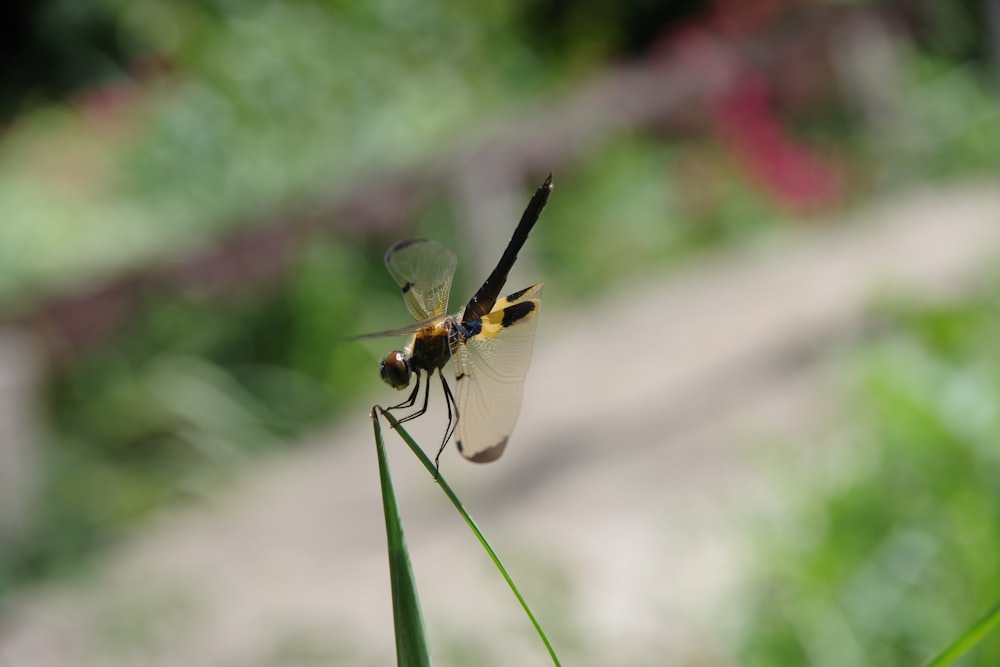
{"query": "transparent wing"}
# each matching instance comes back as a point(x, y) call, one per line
point(489, 375)
point(423, 270)
point(401, 331)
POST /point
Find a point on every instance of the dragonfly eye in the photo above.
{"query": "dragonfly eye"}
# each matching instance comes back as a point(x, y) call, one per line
point(395, 370)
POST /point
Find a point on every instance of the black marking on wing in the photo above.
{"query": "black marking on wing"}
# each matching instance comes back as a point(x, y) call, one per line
point(491, 453)
point(518, 294)
point(460, 376)
point(399, 245)
point(406, 288)
point(518, 311)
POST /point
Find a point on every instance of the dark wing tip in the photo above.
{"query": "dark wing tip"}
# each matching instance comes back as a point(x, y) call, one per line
point(487, 455)
point(399, 245)
point(548, 182)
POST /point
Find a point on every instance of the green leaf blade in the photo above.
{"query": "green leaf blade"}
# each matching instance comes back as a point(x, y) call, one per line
point(423, 458)
point(968, 639)
point(411, 639)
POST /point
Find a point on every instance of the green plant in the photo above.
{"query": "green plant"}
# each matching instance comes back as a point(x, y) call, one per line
point(890, 551)
point(411, 645)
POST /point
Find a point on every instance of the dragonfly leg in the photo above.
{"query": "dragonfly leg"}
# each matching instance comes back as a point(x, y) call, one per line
point(453, 417)
point(412, 399)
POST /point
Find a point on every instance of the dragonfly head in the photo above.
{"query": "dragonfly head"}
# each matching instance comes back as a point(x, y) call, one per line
point(395, 369)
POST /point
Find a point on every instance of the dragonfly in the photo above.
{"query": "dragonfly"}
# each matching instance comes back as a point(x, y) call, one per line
point(489, 340)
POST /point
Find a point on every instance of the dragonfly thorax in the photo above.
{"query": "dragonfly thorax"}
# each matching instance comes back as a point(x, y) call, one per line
point(431, 349)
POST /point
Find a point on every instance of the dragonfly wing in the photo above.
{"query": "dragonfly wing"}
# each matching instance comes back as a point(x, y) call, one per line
point(520, 295)
point(489, 372)
point(423, 270)
point(401, 331)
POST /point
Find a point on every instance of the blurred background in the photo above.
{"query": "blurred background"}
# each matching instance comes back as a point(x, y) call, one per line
point(762, 426)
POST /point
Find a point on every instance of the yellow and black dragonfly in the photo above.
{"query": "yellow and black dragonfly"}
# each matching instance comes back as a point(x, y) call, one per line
point(489, 341)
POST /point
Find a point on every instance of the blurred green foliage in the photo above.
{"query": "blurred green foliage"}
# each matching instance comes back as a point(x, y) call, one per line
point(951, 126)
point(50, 48)
point(169, 408)
point(263, 105)
point(291, 97)
point(889, 553)
point(195, 385)
point(631, 209)
point(267, 105)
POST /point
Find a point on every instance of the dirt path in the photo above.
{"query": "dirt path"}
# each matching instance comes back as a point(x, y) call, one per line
point(620, 505)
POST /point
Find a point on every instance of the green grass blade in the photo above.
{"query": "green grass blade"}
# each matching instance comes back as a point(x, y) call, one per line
point(411, 640)
point(475, 529)
point(968, 639)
